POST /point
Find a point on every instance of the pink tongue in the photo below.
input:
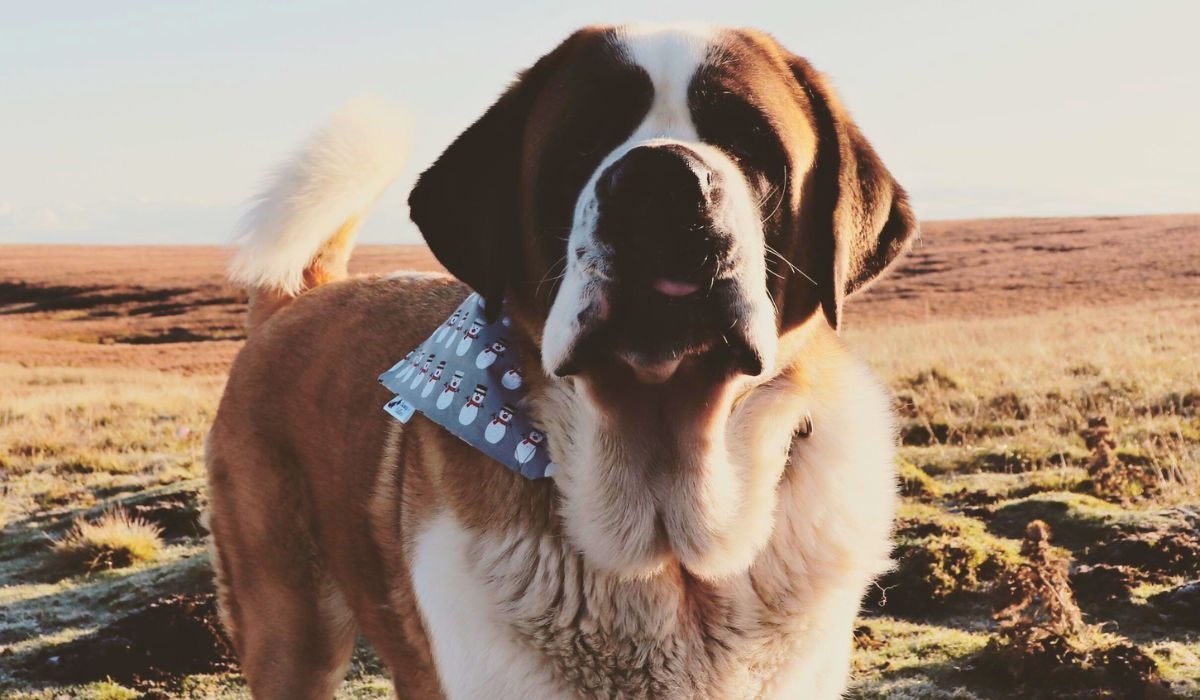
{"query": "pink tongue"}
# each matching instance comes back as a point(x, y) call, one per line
point(674, 288)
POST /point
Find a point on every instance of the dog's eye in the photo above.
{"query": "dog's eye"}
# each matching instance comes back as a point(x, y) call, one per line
point(743, 148)
point(741, 131)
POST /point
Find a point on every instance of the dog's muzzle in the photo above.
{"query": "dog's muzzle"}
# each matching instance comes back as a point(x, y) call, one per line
point(667, 280)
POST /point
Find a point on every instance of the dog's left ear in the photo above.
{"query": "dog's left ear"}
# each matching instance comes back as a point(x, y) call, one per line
point(467, 204)
point(858, 212)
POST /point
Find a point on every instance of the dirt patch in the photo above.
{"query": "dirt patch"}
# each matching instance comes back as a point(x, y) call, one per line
point(1051, 667)
point(176, 636)
point(927, 434)
point(1105, 584)
point(941, 560)
point(1176, 403)
point(177, 514)
point(1042, 645)
point(1167, 552)
point(1078, 520)
point(1181, 605)
point(174, 334)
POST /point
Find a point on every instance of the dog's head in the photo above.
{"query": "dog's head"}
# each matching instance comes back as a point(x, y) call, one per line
point(652, 196)
point(659, 209)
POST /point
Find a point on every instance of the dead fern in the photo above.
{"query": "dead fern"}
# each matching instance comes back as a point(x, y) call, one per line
point(1111, 479)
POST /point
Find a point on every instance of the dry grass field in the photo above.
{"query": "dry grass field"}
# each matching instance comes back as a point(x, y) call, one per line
point(1045, 370)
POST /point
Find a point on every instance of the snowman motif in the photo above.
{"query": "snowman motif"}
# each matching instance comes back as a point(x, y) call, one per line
point(528, 447)
point(496, 429)
point(451, 389)
point(446, 327)
point(487, 357)
point(420, 376)
point(512, 379)
point(470, 409)
point(397, 367)
point(433, 379)
point(412, 367)
point(469, 337)
point(462, 321)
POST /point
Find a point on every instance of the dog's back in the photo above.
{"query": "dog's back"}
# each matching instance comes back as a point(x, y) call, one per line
point(294, 451)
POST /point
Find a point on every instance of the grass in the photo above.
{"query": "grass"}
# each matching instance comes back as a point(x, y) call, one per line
point(113, 541)
point(101, 690)
point(1014, 394)
point(70, 438)
point(992, 412)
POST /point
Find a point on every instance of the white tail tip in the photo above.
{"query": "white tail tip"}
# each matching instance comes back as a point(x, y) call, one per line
point(333, 179)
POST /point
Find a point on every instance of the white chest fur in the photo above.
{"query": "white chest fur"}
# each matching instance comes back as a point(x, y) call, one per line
point(477, 654)
point(519, 614)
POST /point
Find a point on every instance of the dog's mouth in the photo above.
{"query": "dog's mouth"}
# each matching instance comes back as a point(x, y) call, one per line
point(655, 328)
point(665, 269)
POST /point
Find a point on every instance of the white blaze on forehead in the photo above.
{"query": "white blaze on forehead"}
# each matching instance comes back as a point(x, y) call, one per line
point(671, 56)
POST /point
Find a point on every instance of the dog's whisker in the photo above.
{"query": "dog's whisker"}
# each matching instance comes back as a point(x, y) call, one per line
point(550, 271)
point(792, 266)
point(779, 202)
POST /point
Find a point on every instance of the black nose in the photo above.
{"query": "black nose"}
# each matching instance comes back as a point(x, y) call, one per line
point(674, 171)
point(655, 213)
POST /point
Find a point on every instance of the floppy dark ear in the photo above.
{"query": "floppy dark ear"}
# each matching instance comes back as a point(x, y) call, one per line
point(858, 212)
point(467, 204)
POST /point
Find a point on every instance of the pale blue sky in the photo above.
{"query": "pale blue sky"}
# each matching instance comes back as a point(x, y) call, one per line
point(154, 121)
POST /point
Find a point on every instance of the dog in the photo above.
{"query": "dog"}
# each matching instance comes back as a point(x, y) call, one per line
point(671, 219)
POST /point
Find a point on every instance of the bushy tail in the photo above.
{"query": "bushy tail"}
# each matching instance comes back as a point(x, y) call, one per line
point(300, 232)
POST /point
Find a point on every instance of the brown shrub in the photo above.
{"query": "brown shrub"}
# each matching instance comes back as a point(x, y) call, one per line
point(1111, 478)
point(1042, 643)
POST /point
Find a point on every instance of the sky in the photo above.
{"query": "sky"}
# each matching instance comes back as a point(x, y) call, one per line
point(155, 122)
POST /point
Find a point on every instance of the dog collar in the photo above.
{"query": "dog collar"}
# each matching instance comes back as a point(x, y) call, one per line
point(464, 379)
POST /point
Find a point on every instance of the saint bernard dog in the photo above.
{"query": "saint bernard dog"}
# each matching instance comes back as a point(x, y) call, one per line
point(672, 218)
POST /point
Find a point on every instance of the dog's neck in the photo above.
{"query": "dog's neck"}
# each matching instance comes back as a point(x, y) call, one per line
point(684, 472)
point(713, 547)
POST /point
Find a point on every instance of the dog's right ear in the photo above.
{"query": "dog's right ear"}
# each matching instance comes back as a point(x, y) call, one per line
point(467, 204)
point(862, 221)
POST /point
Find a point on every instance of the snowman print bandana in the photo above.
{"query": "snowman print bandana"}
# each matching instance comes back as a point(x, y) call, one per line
point(464, 379)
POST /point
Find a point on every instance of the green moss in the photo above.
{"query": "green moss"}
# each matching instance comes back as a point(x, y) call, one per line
point(983, 488)
point(917, 661)
point(1179, 664)
point(915, 483)
point(940, 558)
point(102, 690)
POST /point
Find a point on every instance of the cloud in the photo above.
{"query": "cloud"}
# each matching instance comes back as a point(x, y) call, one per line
point(34, 223)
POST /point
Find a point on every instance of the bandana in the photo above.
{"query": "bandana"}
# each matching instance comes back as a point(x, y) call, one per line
point(464, 378)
